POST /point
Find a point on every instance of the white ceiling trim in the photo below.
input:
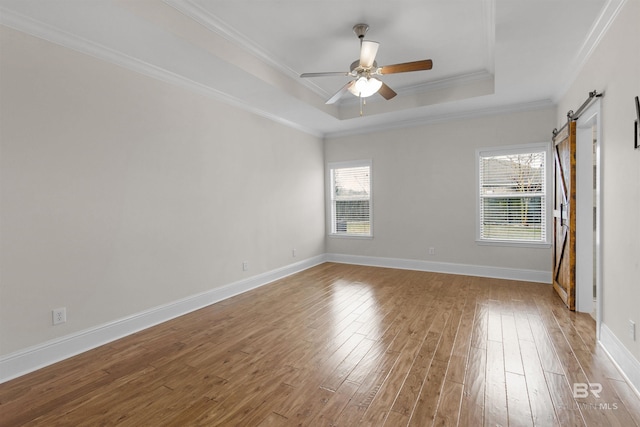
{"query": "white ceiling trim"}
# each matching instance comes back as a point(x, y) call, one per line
point(462, 115)
point(598, 30)
point(213, 23)
point(197, 13)
point(448, 82)
point(46, 32)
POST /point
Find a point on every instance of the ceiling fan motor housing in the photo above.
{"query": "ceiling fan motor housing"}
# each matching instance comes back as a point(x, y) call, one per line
point(355, 65)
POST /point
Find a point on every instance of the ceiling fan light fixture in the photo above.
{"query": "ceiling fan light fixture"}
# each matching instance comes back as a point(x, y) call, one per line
point(365, 86)
point(365, 67)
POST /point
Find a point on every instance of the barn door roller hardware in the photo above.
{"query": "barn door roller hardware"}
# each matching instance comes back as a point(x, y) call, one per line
point(572, 116)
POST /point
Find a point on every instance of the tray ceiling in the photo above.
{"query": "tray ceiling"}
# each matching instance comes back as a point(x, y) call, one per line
point(489, 55)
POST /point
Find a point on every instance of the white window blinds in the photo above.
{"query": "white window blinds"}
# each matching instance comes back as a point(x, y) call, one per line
point(512, 195)
point(350, 189)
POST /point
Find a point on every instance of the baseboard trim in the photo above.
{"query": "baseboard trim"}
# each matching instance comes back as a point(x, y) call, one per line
point(628, 365)
point(33, 358)
point(444, 267)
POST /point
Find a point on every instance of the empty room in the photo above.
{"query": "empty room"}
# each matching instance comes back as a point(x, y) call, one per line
point(322, 213)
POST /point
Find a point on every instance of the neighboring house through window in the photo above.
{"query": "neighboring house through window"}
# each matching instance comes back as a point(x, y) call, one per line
point(512, 195)
point(350, 196)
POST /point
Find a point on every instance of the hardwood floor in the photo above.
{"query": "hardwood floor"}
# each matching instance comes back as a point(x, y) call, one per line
point(341, 345)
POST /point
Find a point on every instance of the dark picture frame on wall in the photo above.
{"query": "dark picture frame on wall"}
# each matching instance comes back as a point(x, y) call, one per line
point(636, 133)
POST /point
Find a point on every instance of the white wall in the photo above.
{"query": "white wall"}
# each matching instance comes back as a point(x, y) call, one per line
point(121, 193)
point(424, 189)
point(614, 68)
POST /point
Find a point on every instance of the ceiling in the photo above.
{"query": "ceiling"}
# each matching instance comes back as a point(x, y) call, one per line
point(489, 55)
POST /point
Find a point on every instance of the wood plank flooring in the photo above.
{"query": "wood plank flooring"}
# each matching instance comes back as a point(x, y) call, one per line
point(342, 345)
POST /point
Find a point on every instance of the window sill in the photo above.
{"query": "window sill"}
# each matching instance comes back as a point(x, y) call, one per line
point(511, 243)
point(352, 236)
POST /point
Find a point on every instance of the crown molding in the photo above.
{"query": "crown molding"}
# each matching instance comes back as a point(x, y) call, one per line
point(196, 12)
point(446, 117)
point(54, 35)
point(211, 22)
point(599, 28)
point(448, 82)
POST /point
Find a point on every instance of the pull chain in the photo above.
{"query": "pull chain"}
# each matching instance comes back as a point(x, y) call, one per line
point(363, 101)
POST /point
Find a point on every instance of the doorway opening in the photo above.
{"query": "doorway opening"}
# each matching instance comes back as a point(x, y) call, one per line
point(588, 213)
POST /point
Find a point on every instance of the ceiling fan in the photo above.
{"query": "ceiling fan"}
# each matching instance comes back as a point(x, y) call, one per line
point(365, 71)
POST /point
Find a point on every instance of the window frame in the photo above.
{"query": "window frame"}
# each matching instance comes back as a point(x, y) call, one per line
point(330, 200)
point(548, 192)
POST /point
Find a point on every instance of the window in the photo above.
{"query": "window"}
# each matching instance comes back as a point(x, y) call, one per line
point(512, 195)
point(350, 195)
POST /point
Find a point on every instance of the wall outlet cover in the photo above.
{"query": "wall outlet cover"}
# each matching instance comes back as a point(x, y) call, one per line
point(59, 315)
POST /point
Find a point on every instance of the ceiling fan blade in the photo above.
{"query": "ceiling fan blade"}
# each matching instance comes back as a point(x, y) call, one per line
point(341, 92)
point(368, 51)
point(425, 64)
point(334, 73)
point(386, 92)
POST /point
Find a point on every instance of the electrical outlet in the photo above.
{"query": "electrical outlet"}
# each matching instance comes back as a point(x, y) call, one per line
point(59, 315)
point(245, 265)
point(632, 329)
point(293, 252)
point(432, 251)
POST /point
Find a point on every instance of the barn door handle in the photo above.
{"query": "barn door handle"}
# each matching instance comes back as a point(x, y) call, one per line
point(561, 211)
